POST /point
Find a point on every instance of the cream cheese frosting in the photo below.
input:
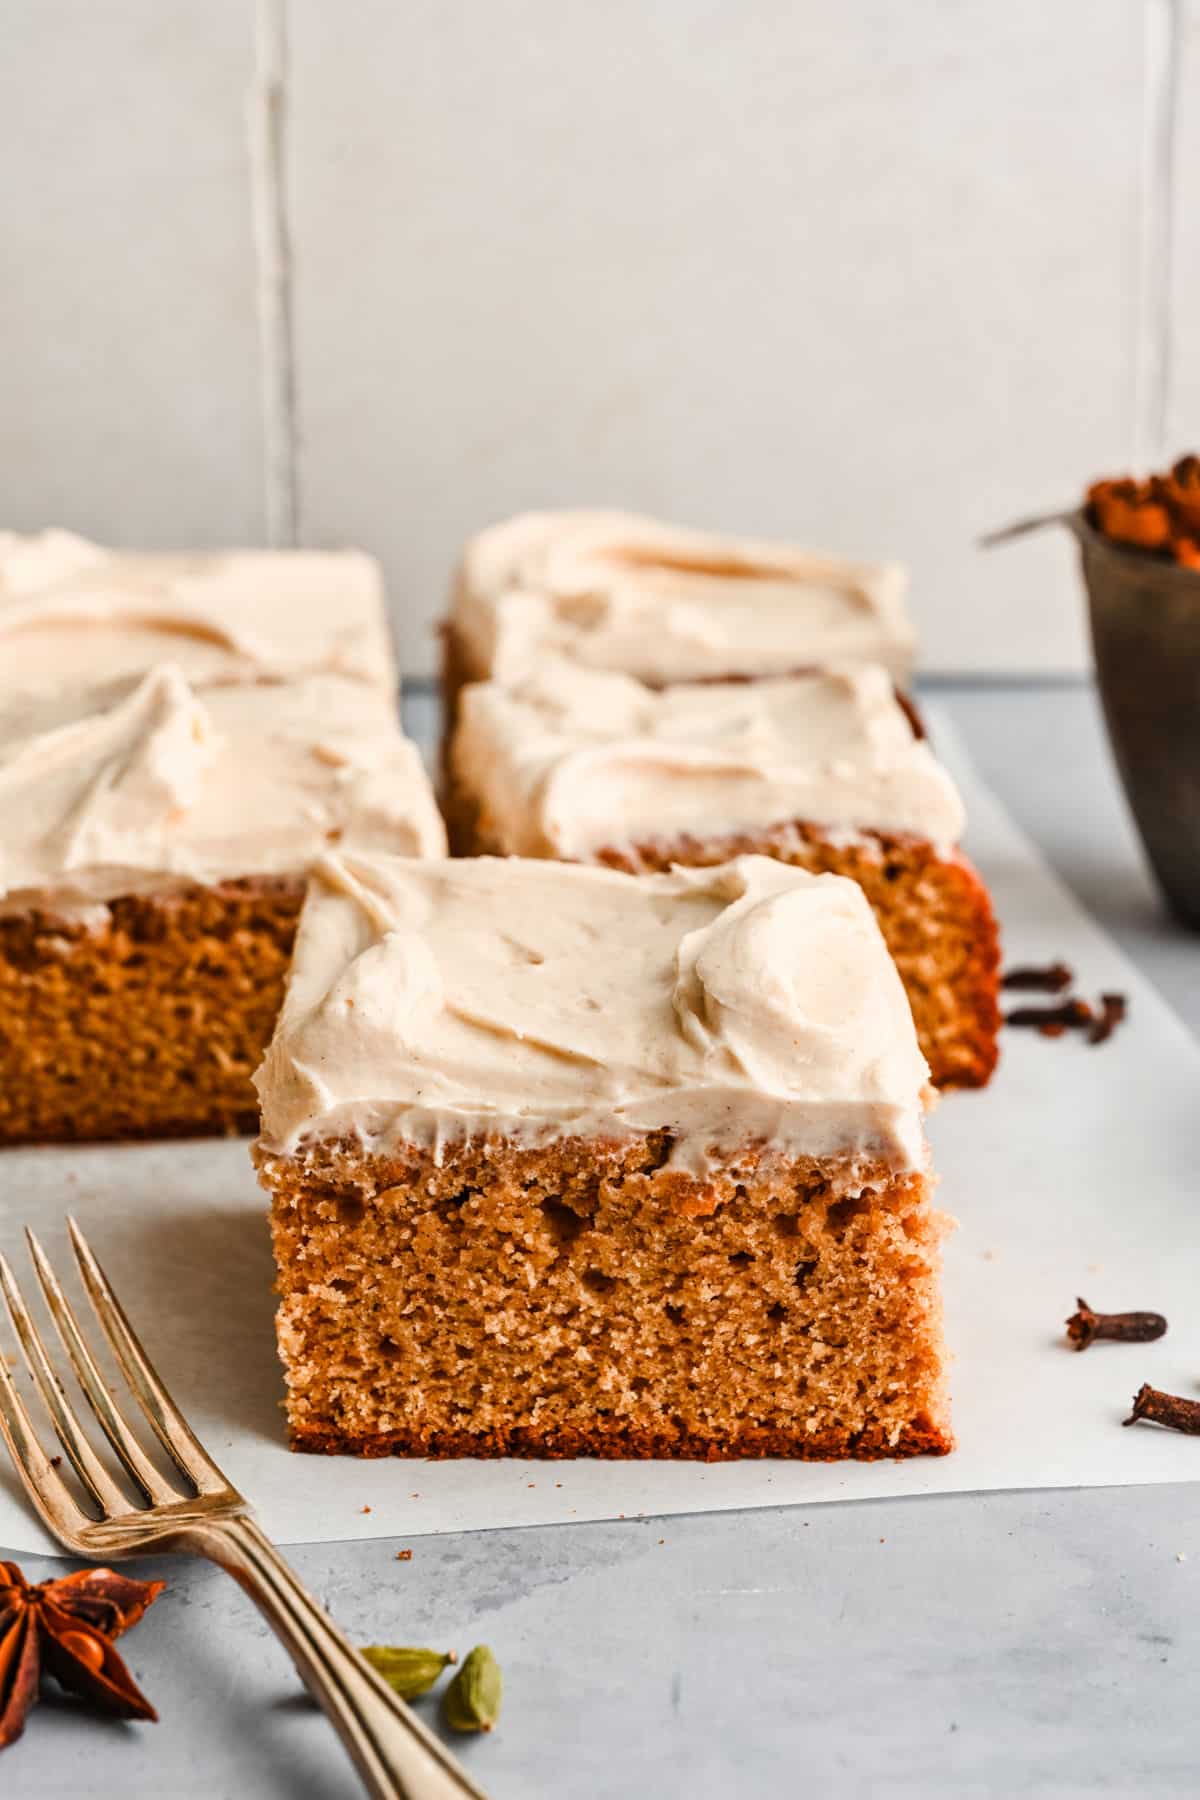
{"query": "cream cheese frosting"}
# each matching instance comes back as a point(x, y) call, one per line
point(613, 590)
point(732, 1006)
point(146, 783)
point(569, 761)
point(68, 605)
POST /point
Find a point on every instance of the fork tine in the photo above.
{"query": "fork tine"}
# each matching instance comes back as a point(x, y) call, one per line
point(172, 1429)
point(90, 1470)
point(137, 1465)
point(48, 1493)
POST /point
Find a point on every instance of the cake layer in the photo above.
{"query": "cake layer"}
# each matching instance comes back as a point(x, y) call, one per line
point(569, 761)
point(586, 1298)
point(145, 783)
point(612, 590)
point(73, 609)
point(147, 1022)
point(445, 1001)
point(155, 838)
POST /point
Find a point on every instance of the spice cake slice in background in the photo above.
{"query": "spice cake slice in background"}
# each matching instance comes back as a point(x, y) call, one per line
point(67, 605)
point(824, 770)
point(154, 844)
point(612, 590)
point(565, 1161)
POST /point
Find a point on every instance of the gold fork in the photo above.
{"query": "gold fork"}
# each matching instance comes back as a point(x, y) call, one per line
point(396, 1756)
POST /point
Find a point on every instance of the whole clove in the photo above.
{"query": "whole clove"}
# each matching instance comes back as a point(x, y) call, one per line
point(1052, 978)
point(1171, 1410)
point(1113, 1008)
point(1068, 1015)
point(1085, 1326)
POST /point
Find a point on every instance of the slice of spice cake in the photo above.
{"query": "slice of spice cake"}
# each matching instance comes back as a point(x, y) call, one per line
point(154, 843)
point(825, 770)
point(570, 1162)
point(612, 590)
point(231, 615)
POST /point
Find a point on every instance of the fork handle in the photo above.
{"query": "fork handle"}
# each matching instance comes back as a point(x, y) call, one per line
point(397, 1757)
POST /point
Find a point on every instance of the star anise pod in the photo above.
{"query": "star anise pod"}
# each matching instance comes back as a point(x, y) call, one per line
point(67, 1627)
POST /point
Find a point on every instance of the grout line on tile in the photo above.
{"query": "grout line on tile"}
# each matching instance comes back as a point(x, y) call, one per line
point(273, 273)
point(1161, 80)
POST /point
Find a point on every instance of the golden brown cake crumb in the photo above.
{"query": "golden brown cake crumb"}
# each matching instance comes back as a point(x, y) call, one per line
point(585, 1299)
point(149, 1025)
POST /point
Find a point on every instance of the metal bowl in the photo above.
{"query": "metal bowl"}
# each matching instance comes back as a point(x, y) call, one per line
point(1145, 619)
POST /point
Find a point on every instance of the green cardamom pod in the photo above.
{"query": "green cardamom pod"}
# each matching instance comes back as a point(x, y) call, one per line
point(472, 1701)
point(408, 1672)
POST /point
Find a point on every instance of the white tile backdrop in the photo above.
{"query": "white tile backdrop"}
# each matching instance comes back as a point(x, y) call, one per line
point(874, 276)
point(1183, 337)
point(129, 386)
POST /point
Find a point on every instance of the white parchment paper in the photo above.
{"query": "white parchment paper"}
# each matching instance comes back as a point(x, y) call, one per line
point(1077, 1171)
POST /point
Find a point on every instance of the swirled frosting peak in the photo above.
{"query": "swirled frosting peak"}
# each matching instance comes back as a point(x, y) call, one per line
point(102, 784)
point(736, 980)
point(732, 1007)
point(613, 590)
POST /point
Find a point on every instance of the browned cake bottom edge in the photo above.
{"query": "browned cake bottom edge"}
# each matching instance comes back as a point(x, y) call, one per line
point(629, 1445)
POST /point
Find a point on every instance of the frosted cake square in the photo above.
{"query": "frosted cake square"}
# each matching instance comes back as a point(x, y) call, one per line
point(827, 771)
point(154, 843)
point(564, 1161)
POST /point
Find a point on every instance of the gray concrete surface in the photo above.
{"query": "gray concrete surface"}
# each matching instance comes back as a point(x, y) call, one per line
point(971, 1645)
